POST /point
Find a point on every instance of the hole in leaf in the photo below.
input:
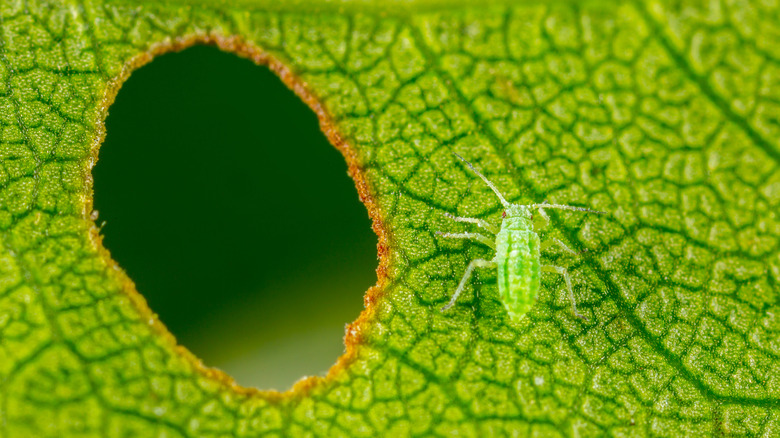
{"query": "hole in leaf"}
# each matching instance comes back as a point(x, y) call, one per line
point(234, 216)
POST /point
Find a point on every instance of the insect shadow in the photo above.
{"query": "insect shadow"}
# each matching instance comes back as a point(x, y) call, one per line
point(517, 256)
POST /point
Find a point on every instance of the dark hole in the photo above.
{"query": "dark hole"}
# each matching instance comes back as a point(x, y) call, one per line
point(234, 216)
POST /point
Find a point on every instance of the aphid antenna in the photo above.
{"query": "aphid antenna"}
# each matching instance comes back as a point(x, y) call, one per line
point(565, 207)
point(490, 184)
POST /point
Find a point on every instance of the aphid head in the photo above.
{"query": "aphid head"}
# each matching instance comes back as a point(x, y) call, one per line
point(518, 217)
point(518, 211)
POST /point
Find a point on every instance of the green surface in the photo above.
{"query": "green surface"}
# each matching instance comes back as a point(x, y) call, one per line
point(665, 115)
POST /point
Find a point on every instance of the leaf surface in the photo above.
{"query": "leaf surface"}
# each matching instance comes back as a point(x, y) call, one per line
point(666, 115)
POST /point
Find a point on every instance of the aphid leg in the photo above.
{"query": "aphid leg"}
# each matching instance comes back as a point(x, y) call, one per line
point(562, 271)
point(543, 213)
point(472, 220)
point(564, 246)
point(560, 243)
point(477, 263)
point(476, 236)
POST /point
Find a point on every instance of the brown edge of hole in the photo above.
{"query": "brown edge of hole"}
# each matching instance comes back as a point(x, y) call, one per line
point(238, 46)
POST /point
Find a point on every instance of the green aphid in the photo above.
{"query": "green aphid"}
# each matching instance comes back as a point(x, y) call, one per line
point(517, 256)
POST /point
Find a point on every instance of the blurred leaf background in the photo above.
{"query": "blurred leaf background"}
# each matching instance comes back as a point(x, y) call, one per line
point(244, 234)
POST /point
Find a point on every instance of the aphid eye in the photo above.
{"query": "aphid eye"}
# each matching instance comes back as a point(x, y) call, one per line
point(503, 215)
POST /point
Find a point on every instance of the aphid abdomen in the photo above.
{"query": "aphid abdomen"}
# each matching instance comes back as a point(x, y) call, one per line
point(517, 257)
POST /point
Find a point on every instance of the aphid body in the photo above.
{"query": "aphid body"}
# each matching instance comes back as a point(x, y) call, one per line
point(518, 253)
point(517, 258)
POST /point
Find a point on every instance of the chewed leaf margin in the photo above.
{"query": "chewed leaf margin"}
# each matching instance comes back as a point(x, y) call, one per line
point(240, 47)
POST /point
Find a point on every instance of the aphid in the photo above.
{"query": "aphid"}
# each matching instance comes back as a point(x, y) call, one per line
point(517, 257)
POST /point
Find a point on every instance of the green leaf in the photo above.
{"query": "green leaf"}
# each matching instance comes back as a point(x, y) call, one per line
point(666, 115)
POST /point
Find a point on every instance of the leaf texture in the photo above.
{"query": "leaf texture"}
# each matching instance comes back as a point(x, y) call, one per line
point(664, 114)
